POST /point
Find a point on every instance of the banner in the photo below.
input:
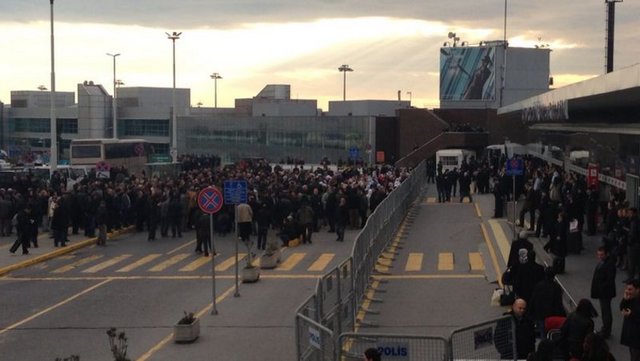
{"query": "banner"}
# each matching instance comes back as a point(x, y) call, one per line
point(467, 73)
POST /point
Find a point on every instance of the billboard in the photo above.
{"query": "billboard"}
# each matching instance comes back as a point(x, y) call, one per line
point(467, 73)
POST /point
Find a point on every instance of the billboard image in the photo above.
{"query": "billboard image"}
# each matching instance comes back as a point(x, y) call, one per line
point(467, 73)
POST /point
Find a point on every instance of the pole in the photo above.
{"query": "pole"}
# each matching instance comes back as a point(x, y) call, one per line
point(504, 56)
point(115, 123)
point(174, 136)
point(237, 294)
point(514, 207)
point(215, 89)
point(214, 310)
point(53, 158)
point(344, 85)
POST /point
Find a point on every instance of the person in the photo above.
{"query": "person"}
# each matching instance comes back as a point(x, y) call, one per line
point(24, 223)
point(478, 79)
point(603, 287)
point(544, 351)
point(527, 275)
point(372, 354)
point(203, 234)
point(245, 219)
point(524, 330)
point(630, 310)
point(516, 246)
point(596, 349)
point(263, 218)
point(633, 244)
point(101, 223)
point(575, 328)
point(546, 300)
point(305, 218)
point(174, 210)
point(342, 217)
point(60, 223)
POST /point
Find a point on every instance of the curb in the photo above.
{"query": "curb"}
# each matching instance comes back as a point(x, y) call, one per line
point(59, 252)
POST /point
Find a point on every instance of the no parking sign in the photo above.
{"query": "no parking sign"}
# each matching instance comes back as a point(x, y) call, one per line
point(210, 200)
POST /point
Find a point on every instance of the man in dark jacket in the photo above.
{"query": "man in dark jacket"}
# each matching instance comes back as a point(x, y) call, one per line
point(630, 309)
point(525, 342)
point(603, 287)
point(546, 300)
point(521, 242)
point(527, 276)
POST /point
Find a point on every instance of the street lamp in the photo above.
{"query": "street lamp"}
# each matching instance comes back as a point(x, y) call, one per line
point(215, 77)
point(344, 69)
point(53, 159)
point(115, 108)
point(174, 136)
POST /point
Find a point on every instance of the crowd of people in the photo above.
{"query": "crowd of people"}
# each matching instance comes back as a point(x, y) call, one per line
point(294, 202)
point(561, 207)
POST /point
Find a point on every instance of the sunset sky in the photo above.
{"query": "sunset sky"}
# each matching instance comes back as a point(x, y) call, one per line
point(391, 44)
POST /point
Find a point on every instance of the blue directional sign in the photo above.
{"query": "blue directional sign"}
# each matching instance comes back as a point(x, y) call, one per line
point(515, 166)
point(354, 152)
point(235, 192)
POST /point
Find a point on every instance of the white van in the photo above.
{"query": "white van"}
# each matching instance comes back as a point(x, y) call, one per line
point(72, 173)
point(452, 158)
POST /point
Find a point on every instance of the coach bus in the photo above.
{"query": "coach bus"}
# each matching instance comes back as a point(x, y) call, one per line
point(133, 154)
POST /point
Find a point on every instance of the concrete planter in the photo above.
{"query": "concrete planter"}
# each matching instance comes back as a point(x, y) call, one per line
point(186, 333)
point(270, 261)
point(250, 275)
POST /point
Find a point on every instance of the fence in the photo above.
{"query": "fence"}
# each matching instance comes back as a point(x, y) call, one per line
point(331, 310)
point(491, 340)
point(394, 347)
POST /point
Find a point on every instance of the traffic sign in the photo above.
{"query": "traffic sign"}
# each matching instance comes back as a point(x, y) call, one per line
point(139, 149)
point(210, 200)
point(515, 166)
point(354, 152)
point(235, 192)
point(103, 166)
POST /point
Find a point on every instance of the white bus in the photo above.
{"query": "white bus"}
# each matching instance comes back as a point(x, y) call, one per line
point(133, 154)
point(452, 158)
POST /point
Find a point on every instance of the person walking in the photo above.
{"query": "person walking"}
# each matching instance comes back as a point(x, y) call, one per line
point(305, 218)
point(342, 218)
point(101, 220)
point(60, 223)
point(630, 310)
point(603, 288)
point(263, 218)
point(24, 223)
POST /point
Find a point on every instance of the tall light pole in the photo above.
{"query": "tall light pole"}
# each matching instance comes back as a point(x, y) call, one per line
point(53, 158)
point(174, 136)
point(115, 108)
point(344, 69)
point(215, 77)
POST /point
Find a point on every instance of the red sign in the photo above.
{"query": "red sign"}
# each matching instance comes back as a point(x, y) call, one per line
point(593, 172)
point(210, 200)
point(103, 166)
point(380, 156)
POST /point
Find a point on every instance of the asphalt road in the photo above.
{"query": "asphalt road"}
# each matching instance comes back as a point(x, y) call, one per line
point(65, 305)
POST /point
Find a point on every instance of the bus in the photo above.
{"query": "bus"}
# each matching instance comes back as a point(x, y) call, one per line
point(132, 154)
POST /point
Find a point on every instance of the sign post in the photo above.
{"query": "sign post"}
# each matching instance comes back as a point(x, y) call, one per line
point(235, 192)
point(515, 166)
point(210, 201)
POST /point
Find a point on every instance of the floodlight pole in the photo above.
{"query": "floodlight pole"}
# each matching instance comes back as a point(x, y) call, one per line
point(53, 158)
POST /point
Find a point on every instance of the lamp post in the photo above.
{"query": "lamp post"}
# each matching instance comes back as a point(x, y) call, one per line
point(215, 77)
point(344, 69)
point(174, 136)
point(115, 108)
point(53, 158)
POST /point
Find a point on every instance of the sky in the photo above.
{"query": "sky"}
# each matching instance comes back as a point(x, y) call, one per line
point(392, 45)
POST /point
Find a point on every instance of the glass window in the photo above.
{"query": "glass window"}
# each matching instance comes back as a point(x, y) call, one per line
point(86, 151)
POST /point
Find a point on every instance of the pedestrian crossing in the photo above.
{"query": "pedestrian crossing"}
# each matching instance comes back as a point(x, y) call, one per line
point(434, 200)
point(183, 263)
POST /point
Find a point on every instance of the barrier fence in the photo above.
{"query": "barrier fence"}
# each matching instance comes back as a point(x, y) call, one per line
point(394, 347)
point(490, 340)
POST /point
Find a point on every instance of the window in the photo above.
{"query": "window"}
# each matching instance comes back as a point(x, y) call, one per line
point(145, 127)
point(86, 151)
point(449, 160)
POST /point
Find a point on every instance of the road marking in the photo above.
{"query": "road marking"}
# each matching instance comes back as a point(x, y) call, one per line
point(77, 264)
point(445, 261)
point(105, 264)
point(169, 337)
point(322, 262)
point(159, 277)
point(475, 261)
point(478, 210)
point(501, 239)
point(226, 264)
point(181, 247)
point(168, 263)
point(492, 253)
point(142, 261)
point(61, 303)
point(428, 277)
point(414, 262)
point(199, 262)
point(290, 262)
point(431, 199)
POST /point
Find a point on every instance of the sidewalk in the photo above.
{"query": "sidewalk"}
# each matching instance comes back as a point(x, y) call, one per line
point(578, 271)
point(10, 262)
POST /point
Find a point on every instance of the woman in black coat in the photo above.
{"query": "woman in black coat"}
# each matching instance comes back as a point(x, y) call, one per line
point(60, 223)
point(576, 327)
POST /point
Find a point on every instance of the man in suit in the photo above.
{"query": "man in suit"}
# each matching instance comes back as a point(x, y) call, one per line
point(603, 287)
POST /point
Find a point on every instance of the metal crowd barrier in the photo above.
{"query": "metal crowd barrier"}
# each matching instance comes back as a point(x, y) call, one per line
point(340, 292)
point(490, 340)
point(394, 347)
